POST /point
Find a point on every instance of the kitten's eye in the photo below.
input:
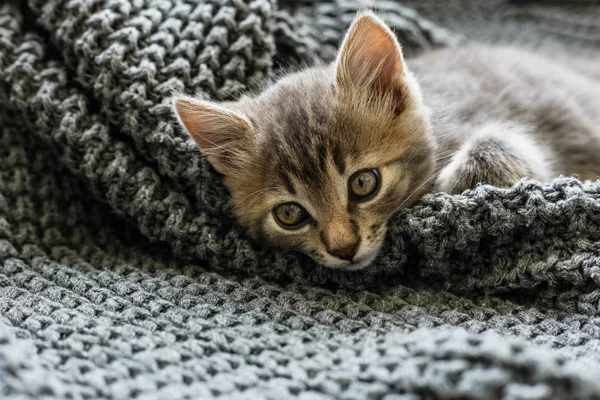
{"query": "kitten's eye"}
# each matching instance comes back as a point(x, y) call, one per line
point(364, 184)
point(290, 215)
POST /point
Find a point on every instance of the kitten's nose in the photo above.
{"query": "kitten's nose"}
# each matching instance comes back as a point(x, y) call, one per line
point(346, 253)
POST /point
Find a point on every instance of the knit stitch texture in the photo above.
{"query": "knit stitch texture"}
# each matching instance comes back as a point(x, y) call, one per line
point(124, 274)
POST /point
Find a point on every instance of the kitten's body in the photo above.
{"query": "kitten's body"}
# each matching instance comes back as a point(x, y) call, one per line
point(448, 120)
point(546, 112)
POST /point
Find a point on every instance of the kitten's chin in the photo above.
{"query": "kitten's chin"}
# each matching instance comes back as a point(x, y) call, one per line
point(362, 263)
point(357, 265)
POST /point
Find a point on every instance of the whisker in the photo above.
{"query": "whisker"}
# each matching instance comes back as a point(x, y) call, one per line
point(215, 150)
point(445, 157)
point(258, 196)
point(232, 153)
point(255, 194)
point(415, 191)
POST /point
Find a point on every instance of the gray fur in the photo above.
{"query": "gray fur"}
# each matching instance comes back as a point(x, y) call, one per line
point(551, 104)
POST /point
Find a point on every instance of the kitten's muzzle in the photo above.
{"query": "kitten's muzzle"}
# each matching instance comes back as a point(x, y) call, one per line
point(346, 253)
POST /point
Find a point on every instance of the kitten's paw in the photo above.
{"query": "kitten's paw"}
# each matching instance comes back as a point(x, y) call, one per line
point(499, 155)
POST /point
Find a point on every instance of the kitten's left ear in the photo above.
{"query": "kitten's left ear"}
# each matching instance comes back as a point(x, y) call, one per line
point(370, 58)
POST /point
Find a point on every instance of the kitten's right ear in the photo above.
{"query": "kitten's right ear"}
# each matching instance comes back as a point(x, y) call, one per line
point(221, 134)
point(370, 59)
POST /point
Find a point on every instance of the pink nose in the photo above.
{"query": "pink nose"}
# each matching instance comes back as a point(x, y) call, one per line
point(346, 253)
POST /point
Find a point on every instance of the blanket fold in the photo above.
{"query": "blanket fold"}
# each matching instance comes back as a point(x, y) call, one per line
point(123, 273)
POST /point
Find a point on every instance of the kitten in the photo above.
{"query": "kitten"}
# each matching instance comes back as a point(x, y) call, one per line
point(320, 161)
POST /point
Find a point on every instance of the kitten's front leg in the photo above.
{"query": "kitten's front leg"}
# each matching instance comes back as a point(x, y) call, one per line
point(498, 154)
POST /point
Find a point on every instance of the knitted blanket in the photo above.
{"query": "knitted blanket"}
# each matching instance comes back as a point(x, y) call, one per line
point(124, 275)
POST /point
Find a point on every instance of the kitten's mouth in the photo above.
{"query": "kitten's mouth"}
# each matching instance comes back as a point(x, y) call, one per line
point(357, 264)
point(362, 262)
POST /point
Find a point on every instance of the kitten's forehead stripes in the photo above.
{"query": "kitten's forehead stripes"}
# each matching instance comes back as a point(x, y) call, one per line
point(338, 159)
point(321, 153)
point(304, 154)
point(298, 146)
point(287, 182)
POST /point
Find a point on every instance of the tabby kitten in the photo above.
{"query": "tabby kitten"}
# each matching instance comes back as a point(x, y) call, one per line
point(320, 161)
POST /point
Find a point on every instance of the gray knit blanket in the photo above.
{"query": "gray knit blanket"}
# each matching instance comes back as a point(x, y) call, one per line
point(124, 275)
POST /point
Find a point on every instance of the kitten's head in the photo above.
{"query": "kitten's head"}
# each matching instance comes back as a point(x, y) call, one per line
point(320, 161)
